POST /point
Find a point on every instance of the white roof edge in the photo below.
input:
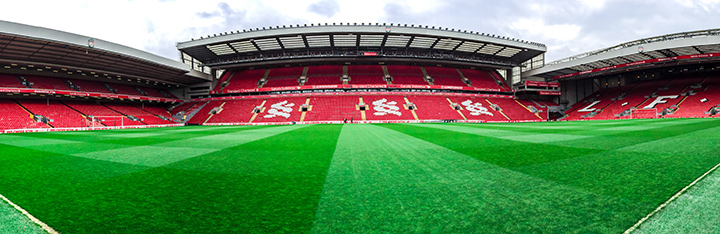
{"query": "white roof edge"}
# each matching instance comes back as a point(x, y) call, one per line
point(234, 36)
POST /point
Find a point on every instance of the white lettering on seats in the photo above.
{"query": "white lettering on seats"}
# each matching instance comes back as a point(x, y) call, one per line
point(383, 107)
point(587, 108)
point(660, 100)
point(476, 108)
point(280, 109)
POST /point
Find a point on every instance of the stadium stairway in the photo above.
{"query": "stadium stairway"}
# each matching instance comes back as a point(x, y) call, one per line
point(61, 115)
point(196, 110)
point(15, 116)
point(500, 108)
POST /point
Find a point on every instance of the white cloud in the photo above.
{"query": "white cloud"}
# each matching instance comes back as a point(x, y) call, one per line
point(156, 25)
point(594, 4)
point(704, 5)
point(537, 26)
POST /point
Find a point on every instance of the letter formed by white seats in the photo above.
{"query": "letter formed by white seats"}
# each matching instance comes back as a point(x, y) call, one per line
point(588, 108)
point(280, 109)
point(383, 107)
point(660, 100)
point(476, 108)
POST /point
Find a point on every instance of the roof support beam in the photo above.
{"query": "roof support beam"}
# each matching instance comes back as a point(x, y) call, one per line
point(304, 38)
point(382, 44)
point(38, 49)
point(457, 46)
point(592, 65)
point(696, 49)
point(496, 52)
point(625, 59)
point(2, 47)
point(668, 53)
point(434, 43)
point(646, 55)
point(479, 48)
point(93, 58)
point(407, 46)
point(280, 43)
point(256, 46)
point(282, 47)
point(233, 48)
point(604, 63)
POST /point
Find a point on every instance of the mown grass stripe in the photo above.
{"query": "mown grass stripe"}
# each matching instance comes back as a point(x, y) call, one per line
point(155, 155)
point(492, 149)
point(383, 181)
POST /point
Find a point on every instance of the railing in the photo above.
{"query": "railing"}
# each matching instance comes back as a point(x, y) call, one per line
point(420, 55)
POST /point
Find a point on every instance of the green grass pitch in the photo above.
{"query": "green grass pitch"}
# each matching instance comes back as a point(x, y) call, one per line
point(554, 177)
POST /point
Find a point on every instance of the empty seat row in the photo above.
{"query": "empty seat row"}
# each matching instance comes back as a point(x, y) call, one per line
point(236, 81)
point(363, 107)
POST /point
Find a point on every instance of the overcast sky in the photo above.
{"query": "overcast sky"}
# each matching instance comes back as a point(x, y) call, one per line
point(566, 27)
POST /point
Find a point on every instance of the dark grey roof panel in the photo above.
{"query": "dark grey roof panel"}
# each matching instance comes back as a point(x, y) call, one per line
point(25, 44)
point(338, 39)
point(11, 28)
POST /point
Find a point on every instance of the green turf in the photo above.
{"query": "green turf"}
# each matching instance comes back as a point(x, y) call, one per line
point(577, 177)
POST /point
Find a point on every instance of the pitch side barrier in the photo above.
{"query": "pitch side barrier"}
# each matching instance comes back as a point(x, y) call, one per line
point(659, 117)
point(87, 128)
point(365, 86)
point(372, 122)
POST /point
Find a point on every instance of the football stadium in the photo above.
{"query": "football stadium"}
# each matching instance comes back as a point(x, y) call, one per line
point(358, 128)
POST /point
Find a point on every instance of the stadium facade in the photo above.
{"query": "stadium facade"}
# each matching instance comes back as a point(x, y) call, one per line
point(668, 76)
point(332, 73)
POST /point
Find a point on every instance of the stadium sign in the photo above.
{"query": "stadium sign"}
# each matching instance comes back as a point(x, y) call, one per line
point(91, 43)
point(84, 94)
point(541, 84)
point(550, 93)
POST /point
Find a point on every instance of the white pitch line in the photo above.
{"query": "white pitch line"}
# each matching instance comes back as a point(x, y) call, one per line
point(641, 221)
point(44, 226)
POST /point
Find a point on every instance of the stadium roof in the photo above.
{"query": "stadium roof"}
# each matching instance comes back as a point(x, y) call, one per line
point(359, 41)
point(667, 50)
point(43, 47)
